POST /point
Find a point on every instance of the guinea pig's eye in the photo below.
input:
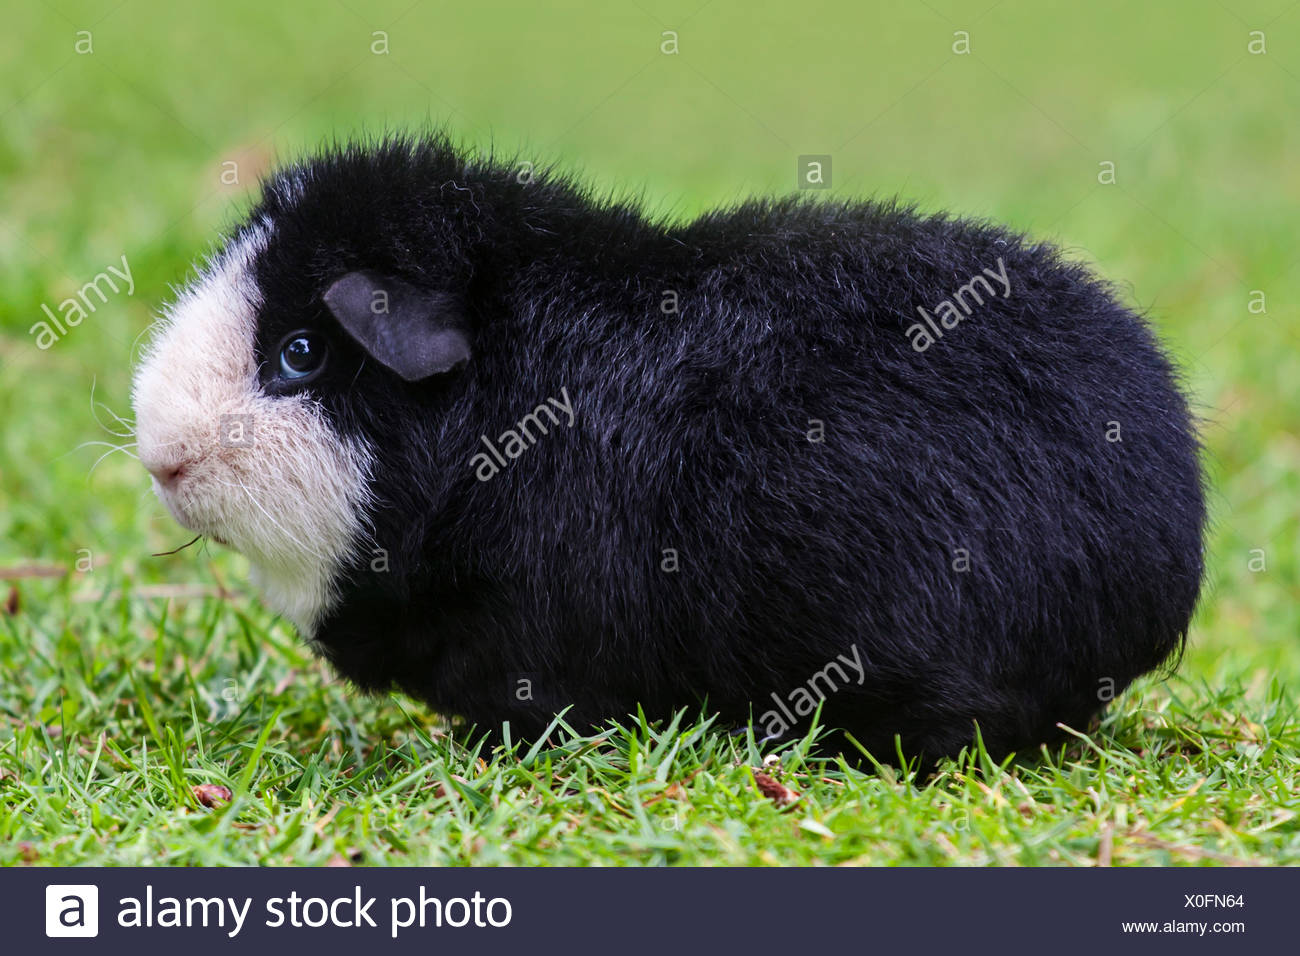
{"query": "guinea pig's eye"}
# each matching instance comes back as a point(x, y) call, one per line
point(301, 353)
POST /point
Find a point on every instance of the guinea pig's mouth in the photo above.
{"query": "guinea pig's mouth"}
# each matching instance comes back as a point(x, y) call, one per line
point(180, 505)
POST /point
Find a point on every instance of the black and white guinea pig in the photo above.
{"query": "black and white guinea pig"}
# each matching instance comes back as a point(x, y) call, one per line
point(514, 449)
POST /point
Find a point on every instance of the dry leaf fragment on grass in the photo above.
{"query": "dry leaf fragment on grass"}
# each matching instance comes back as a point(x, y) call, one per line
point(350, 857)
point(212, 794)
point(284, 683)
point(179, 592)
point(1106, 845)
point(441, 791)
point(32, 571)
point(774, 790)
point(672, 792)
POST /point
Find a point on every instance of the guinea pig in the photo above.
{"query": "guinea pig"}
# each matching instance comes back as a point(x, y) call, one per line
point(517, 450)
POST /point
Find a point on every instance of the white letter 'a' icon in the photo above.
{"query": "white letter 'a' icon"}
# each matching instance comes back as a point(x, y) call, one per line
point(71, 909)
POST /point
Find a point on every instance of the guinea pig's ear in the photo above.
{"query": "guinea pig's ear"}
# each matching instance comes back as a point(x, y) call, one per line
point(413, 332)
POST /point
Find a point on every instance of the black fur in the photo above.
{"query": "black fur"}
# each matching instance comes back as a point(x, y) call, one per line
point(696, 431)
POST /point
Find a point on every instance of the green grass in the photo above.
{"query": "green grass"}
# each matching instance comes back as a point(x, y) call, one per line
point(103, 771)
point(130, 679)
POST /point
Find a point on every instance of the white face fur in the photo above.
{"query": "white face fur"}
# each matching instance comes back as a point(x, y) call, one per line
point(264, 474)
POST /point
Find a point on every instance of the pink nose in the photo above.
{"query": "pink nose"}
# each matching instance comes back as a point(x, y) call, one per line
point(168, 474)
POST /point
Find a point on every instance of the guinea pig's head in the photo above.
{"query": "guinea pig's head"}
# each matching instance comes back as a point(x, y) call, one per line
point(274, 389)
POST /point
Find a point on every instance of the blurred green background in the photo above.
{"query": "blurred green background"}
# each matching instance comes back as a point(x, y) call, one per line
point(1009, 110)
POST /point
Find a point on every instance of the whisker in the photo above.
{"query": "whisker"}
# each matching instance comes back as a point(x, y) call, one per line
point(112, 447)
point(103, 444)
point(126, 423)
point(125, 449)
point(94, 405)
point(136, 341)
point(271, 518)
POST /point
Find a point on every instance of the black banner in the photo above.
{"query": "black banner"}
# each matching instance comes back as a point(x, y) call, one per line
point(195, 911)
